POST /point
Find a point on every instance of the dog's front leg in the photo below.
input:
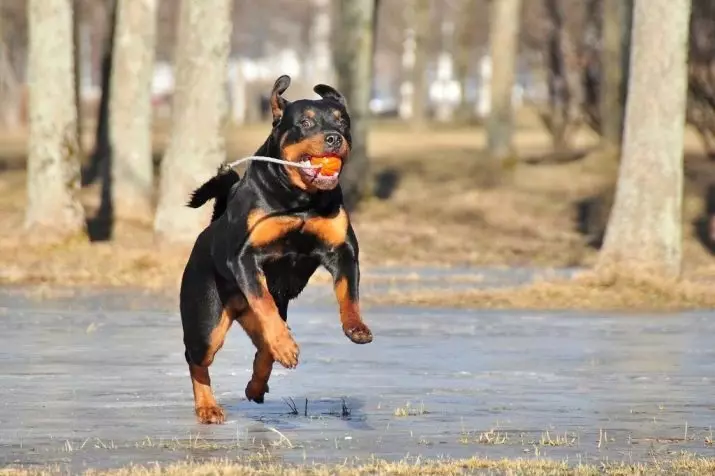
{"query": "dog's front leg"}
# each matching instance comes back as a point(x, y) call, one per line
point(270, 331)
point(342, 263)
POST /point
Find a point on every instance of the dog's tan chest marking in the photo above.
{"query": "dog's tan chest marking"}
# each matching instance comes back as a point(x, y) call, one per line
point(266, 230)
point(332, 231)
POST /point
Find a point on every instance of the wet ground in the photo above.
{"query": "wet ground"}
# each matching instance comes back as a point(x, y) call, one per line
point(98, 379)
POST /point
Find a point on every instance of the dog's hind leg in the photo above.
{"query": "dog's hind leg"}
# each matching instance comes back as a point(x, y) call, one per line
point(205, 405)
point(206, 322)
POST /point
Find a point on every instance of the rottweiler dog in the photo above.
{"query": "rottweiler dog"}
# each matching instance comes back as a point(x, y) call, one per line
point(269, 232)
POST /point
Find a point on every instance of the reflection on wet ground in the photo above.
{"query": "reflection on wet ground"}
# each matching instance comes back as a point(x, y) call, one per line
point(98, 379)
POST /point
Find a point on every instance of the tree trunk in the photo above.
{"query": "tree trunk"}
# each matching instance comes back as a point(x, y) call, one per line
point(99, 165)
point(321, 57)
point(197, 145)
point(10, 86)
point(558, 118)
point(77, 45)
point(53, 167)
point(421, 10)
point(464, 56)
point(130, 121)
point(503, 39)
point(645, 229)
point(239, 96)
point(354, 59)
point(614, 67)
point(408, 64)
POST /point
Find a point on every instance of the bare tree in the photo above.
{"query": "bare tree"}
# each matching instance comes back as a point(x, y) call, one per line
point(562, 116)
point(10, 86)
point(503, 39)
point(645, 228)
point(321, 64)
point(614, 68)
point(465, 52)
point(353, 64)
point(53, 167)
point(131, 110)
point(701, 81)
point(197, 145)
point(420, 10)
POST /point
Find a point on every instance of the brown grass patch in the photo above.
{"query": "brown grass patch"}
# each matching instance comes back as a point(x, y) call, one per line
point(685, 464)
point(589, 291)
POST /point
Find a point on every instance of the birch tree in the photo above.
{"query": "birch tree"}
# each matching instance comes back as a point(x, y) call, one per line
point(644, 232)
point(353, 63)
point(53, 167)
point(130, 109)
point(197, 145)
point(421, 9)
point(503, 39)
point(614, 60)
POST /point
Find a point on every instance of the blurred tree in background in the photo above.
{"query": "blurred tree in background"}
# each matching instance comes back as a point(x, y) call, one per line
point(616, 36)
point(505, 18)
point(53, 178)
point(196, 145)
point(645, 231)
point(130, 123)
point(354, 66)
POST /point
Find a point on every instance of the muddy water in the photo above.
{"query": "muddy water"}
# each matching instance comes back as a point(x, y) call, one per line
point(87, 381)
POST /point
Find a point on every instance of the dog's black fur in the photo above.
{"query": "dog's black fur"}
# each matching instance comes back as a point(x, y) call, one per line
point(269, 232)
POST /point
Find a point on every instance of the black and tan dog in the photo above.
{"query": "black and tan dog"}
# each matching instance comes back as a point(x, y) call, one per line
point(270, 231)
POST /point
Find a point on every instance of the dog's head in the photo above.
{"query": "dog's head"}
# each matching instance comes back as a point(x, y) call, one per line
point(316, 131)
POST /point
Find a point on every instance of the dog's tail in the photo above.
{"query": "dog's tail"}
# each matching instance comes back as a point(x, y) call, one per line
point(218, 188)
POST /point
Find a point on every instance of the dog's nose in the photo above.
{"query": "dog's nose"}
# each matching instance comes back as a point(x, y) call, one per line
point(333, 140)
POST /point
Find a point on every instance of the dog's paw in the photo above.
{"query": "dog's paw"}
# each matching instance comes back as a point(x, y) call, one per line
point(210, 415)
point(358, 333)
point(256, 391)
point(283, 348)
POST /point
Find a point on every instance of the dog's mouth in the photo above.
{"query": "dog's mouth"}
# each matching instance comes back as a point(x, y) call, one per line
point(322, 172)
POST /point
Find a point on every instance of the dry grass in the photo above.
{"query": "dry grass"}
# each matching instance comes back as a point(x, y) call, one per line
point(438, 214)
point(588, 291)
point(684, 464)
point(489, 437)
point(410, 410)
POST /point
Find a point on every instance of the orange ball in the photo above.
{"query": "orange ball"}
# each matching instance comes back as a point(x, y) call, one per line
point(328, 165)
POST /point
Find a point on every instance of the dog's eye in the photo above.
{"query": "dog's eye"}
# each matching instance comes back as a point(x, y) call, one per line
point(306, 123)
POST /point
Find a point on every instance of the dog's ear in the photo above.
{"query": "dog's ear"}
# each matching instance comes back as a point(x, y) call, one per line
point(278, 103)
point(329, 92)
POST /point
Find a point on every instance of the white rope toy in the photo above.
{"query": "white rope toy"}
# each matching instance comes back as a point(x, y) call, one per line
point(271, 159)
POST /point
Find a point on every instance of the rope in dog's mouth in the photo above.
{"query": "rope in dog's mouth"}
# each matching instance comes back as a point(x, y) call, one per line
point(301, 165)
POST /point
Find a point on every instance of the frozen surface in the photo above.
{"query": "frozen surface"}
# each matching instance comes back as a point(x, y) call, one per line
point(99, 380)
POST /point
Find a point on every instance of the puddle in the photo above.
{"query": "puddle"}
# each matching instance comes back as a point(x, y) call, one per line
point(87, 383)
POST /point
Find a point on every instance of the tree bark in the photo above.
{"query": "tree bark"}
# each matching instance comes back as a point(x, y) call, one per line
point(503, 40)
point(197, 145)
point(53, 167)
point(614, 67)
point(645, 229)
point(354, 62)
point(130, 122)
